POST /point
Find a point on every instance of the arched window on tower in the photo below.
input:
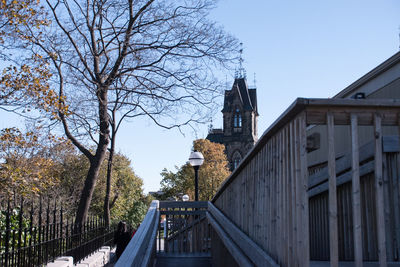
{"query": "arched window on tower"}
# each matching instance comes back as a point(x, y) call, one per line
point(237, 119)
point(236, 159)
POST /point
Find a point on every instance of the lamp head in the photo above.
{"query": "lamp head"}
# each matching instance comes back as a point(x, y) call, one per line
point(196, 158)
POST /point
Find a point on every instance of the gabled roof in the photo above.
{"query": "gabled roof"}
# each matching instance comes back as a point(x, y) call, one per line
point(247, 96)
point(352, 88)
point(244, 93)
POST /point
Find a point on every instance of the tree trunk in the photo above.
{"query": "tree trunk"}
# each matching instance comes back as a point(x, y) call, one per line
point(109, 170)
point(95, 161)
point(88, 188)
point(108, 183)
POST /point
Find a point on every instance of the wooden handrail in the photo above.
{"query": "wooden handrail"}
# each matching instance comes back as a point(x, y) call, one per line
point(245, 251)
point(186, 228)
point(301, 104)
point(140, 249)
point(267, 195)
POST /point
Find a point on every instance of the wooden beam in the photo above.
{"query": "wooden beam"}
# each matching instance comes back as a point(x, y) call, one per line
point(293, 234)
point(333, 226)
point(298, 222)
point(233, 249)
point(346, 177)
point(365, 107)
point(380, 215)
point(366, 152)
point(358, 256)
point(249, 248)
point(304, 234)
point(183, 212)
point(183, 204)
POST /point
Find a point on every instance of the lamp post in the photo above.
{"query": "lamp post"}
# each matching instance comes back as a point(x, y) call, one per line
point(196, 159)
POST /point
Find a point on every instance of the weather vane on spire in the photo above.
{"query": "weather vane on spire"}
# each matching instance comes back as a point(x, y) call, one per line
point(241, 72)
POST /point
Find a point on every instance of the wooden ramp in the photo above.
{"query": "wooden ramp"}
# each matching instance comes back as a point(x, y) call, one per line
point(183, 259)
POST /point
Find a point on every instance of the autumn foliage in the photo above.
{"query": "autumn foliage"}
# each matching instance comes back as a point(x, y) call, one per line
point(211, 174)
point(25, 168)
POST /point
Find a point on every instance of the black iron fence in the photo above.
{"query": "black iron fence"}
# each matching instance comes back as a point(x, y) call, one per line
point(34, 236)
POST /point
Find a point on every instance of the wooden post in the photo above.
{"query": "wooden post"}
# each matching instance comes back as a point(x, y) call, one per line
point(285, 198)
point(290, 194)
point(380, 215)
point(358, 256)
point(292, 128)
point(333, 226)
point(297, 183)
point(305, 236)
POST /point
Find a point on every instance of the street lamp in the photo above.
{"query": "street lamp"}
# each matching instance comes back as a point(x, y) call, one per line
point(196, 159)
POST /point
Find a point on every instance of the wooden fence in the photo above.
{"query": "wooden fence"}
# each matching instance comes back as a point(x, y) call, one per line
point(267, 196)
point(184, 228)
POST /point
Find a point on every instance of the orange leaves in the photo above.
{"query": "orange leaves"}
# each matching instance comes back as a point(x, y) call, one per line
point(16, 14)
point(211, 174)
point(29, 85)
point(214, 169)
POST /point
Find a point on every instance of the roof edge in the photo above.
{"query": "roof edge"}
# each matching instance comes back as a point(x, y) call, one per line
point(387, 64)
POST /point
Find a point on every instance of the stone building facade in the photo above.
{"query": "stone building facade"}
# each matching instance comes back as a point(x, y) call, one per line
point(239, 133)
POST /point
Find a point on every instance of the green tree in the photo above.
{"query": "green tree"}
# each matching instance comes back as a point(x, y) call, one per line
point(144, 57)
point(128, 202)
point(211, 174)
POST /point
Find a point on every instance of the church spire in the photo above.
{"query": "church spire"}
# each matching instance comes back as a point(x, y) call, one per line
point(240, 72)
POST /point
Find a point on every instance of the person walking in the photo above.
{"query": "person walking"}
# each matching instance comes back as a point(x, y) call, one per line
point(121, 238)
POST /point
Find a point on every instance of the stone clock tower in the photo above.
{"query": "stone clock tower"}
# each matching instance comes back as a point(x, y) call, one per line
point(239, 133)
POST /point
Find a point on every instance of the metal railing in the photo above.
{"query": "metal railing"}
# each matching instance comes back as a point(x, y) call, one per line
point(34, 237)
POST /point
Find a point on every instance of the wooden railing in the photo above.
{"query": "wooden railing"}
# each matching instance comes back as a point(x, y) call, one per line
point(184, 228)
point(267, 196)
point(141, 249)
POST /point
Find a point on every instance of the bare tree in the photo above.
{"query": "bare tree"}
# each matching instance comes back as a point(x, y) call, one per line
point(126, 58)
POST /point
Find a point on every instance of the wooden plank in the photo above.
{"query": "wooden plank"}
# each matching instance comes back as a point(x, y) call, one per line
point(285, 198)
point(380, 221)
point(255, 253)
point(388, 108)
point(333, 225)
point(395, 177)
point(269, 208)
point(183, 204)
point(304, 213)
point(263, 196)
point(342, 179)
point(182, 212)
point(278, 179)
point(268, 199)
point(388, 204)
point(356, 202)
point(240, 257)
point(366, 151)
point(298, 193)
point(281, 210)
point(315, 115)
point(293, 213)
point(391, 144)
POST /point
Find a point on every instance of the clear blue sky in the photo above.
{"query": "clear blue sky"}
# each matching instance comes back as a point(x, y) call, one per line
point(308, 48)
point(297, 49)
